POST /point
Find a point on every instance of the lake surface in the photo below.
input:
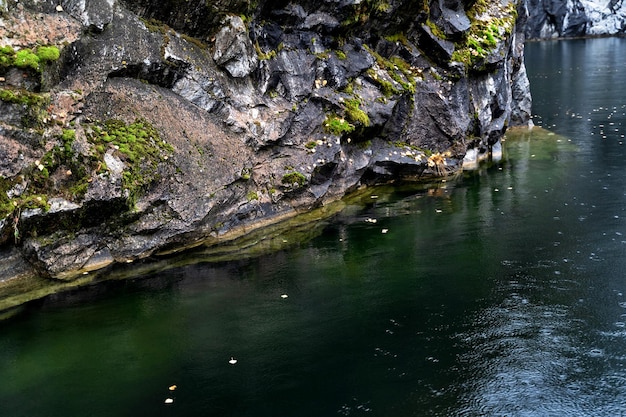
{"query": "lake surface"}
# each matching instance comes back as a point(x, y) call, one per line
point(499, 293)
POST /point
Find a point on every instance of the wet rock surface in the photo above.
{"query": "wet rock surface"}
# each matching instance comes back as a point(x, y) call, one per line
point(162, 126)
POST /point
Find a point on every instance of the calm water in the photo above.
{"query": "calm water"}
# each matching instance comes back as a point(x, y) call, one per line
point(502, 293)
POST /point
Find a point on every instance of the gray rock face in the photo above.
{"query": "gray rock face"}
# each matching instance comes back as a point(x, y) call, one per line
point(571, 18)
point(256, 119)
point(92, 14)
point(450, 16)
point(233, 48)
point(442, 49)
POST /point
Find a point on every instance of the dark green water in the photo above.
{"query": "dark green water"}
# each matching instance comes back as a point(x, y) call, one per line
point(500, 294)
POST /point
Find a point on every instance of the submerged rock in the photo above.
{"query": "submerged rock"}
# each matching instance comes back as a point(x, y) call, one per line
point(165, 125)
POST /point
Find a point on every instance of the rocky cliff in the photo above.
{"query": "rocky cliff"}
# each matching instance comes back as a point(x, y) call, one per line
point(130, 128)
point(572, 18)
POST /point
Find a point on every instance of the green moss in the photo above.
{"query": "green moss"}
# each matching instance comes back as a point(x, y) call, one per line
point(386, 87)
point(311, 145)
point(252, 195)
point(35, 104)
point(264, 56)
point(34, 201)
point(381, 6)
point(7, 56)
point(337, 125)
point(409, 88)
point(354, 112)
point(490, 24)
point(435, 30)
point(195, 41)
point(294, 179)
point(34, 196)
point(322, 55)
point(6, 205)
point(400, 64)
point(139, 144)
point(22, 97)
point(349, 88)
point(398, 70)
point(405, 145)
point(364, 10)
point(67, 137)
point(28, 58)
point(63, 172)
point(48, 53)
point(399, 37)
point(156, 26)
point(341, 55)
point(74, 167)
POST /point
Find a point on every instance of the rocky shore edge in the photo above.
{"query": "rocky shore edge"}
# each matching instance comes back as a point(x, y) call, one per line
point(135, 128)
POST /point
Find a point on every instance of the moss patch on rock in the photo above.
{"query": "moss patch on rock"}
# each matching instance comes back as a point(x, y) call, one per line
point(33, 113)
point(138, 144)
point(28, 58)
point(399, 71)
point(64, 172)
point(354, 112)
point(60, 172)
point(337, 125)
point(294, 179)
point(490, 23)
point(23, 97)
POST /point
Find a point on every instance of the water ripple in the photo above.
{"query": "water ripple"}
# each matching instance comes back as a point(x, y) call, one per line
point(526, 359)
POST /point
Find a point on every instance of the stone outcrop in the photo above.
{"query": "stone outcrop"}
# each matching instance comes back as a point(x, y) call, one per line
point(575, 18)
point(163, 125)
